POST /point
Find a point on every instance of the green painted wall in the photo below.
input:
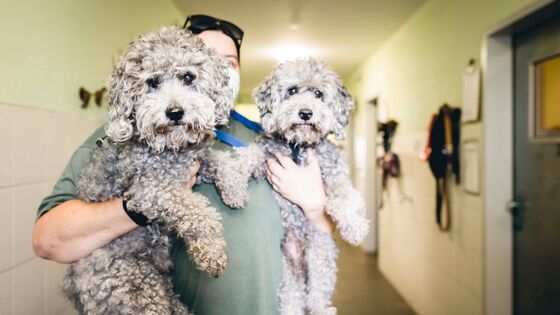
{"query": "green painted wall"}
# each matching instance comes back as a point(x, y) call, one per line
point(413, 73)
point(421, 65)
point(48, 49)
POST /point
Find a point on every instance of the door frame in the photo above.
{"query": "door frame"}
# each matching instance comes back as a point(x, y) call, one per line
point(497, 64)
point(371, 111)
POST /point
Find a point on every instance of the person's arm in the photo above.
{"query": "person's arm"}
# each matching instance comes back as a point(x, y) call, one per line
point(74, 228)
point(301, 185)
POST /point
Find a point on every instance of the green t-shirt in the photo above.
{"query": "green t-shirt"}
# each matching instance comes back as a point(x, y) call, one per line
point(253, 235)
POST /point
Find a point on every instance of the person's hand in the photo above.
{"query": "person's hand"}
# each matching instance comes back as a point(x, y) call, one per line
point(192, 179)
point(301, 185)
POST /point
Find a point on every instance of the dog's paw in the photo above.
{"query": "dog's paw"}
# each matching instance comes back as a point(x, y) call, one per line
point(233, 188)
point(318, 304)
point(233, 191)
point(355, 233)
point(327, 311)
point(178, 308)
point(235, 200)
point(209, 255)
point(293, 310)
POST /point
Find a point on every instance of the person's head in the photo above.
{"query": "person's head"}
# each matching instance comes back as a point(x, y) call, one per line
point(221, 35)
point(225, 37)
point(223, 45)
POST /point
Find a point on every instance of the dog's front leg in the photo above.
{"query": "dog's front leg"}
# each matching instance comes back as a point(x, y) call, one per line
point(346, 207)
point(188, 214)
point(198, 223)
point(232, 172)
point(320, 257)
point(292, 289)
point(99, 181)
point(344, 203)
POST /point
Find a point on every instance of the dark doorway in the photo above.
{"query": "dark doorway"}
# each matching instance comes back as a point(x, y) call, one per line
point(537, 166)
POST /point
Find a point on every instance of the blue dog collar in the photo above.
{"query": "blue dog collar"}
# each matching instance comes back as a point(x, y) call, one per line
point(229, 139)
point(233, 141)
point(245, 121)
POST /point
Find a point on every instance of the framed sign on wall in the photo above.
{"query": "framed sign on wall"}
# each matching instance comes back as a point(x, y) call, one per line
point(544, 99)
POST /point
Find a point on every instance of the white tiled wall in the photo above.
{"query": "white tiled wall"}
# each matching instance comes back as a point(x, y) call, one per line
point(436, 272)
point(35, 145)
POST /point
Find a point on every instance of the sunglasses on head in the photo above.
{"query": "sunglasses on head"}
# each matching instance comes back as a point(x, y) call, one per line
point(199, 23)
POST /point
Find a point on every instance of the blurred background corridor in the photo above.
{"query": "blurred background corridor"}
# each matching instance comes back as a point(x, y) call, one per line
point(476, 81)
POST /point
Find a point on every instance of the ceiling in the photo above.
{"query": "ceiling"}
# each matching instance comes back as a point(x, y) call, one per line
point(343, 33)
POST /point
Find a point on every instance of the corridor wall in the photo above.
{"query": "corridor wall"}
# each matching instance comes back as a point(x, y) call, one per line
point(48, 50)
point(412, 74)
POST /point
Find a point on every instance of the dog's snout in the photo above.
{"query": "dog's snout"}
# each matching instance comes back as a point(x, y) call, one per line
point(175, 114)
point(305, 114)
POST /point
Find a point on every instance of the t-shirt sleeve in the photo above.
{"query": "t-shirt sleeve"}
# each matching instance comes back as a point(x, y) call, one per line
point(65, 187)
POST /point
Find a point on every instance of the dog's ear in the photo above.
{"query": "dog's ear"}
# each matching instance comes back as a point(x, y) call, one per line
point(262, 94)
point(120, 127)
point(214, 76)
point(266, 97)
point(344, 105)
point(224, 95)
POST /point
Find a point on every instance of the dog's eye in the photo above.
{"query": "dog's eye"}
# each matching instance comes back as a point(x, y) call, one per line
point(293, 90)
point(318, 94)
point(188, 78)
point(153, 83)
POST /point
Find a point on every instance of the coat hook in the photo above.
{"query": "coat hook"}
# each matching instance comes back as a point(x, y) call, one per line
point(85, 95)
point(98, 95)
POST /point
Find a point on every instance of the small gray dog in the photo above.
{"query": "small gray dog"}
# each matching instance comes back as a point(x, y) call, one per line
point(166, 95)
point(301, 103)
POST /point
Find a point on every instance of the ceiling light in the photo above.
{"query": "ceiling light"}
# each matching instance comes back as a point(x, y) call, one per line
point(291, 52)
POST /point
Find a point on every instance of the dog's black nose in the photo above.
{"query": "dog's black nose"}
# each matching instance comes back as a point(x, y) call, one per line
point(174, 114)
point(305, 114)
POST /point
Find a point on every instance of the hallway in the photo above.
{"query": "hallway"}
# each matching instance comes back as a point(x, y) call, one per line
point(362, 289)
point(452, 139)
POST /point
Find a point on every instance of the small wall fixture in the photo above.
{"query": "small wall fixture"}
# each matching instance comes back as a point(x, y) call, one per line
point(85, 96)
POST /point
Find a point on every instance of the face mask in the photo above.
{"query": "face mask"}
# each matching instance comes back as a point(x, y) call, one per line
point(234, 81)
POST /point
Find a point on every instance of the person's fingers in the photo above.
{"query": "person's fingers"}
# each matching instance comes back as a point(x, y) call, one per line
point(274, 168)
point(195, 168)
point(272, 179)
point(284, 160)
point(275, 187)
point(312, 156)
point(191, 182)
point(267, 176)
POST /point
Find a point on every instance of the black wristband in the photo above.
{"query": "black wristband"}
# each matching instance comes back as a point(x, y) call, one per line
point(137, 217)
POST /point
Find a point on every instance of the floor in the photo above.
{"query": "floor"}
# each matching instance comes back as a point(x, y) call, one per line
point(361, 289)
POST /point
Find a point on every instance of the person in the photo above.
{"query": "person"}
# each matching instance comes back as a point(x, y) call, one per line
point(68, 229)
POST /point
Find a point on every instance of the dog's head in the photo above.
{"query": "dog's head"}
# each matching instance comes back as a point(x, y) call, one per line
point(302, 102)
point(168, 90)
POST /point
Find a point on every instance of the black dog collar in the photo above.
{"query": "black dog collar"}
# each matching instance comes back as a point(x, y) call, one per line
point(137, 217)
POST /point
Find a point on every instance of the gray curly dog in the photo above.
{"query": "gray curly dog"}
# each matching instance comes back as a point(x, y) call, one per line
point(301, 103)
point(165, 97)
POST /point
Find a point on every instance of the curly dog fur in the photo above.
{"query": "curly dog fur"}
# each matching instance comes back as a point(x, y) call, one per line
point(301, 103)
point(166, 95)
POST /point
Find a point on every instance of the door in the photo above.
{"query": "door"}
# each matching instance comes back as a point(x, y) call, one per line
point(537, 169)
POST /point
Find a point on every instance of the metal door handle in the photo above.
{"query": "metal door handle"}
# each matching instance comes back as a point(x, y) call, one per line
point(515, 207)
